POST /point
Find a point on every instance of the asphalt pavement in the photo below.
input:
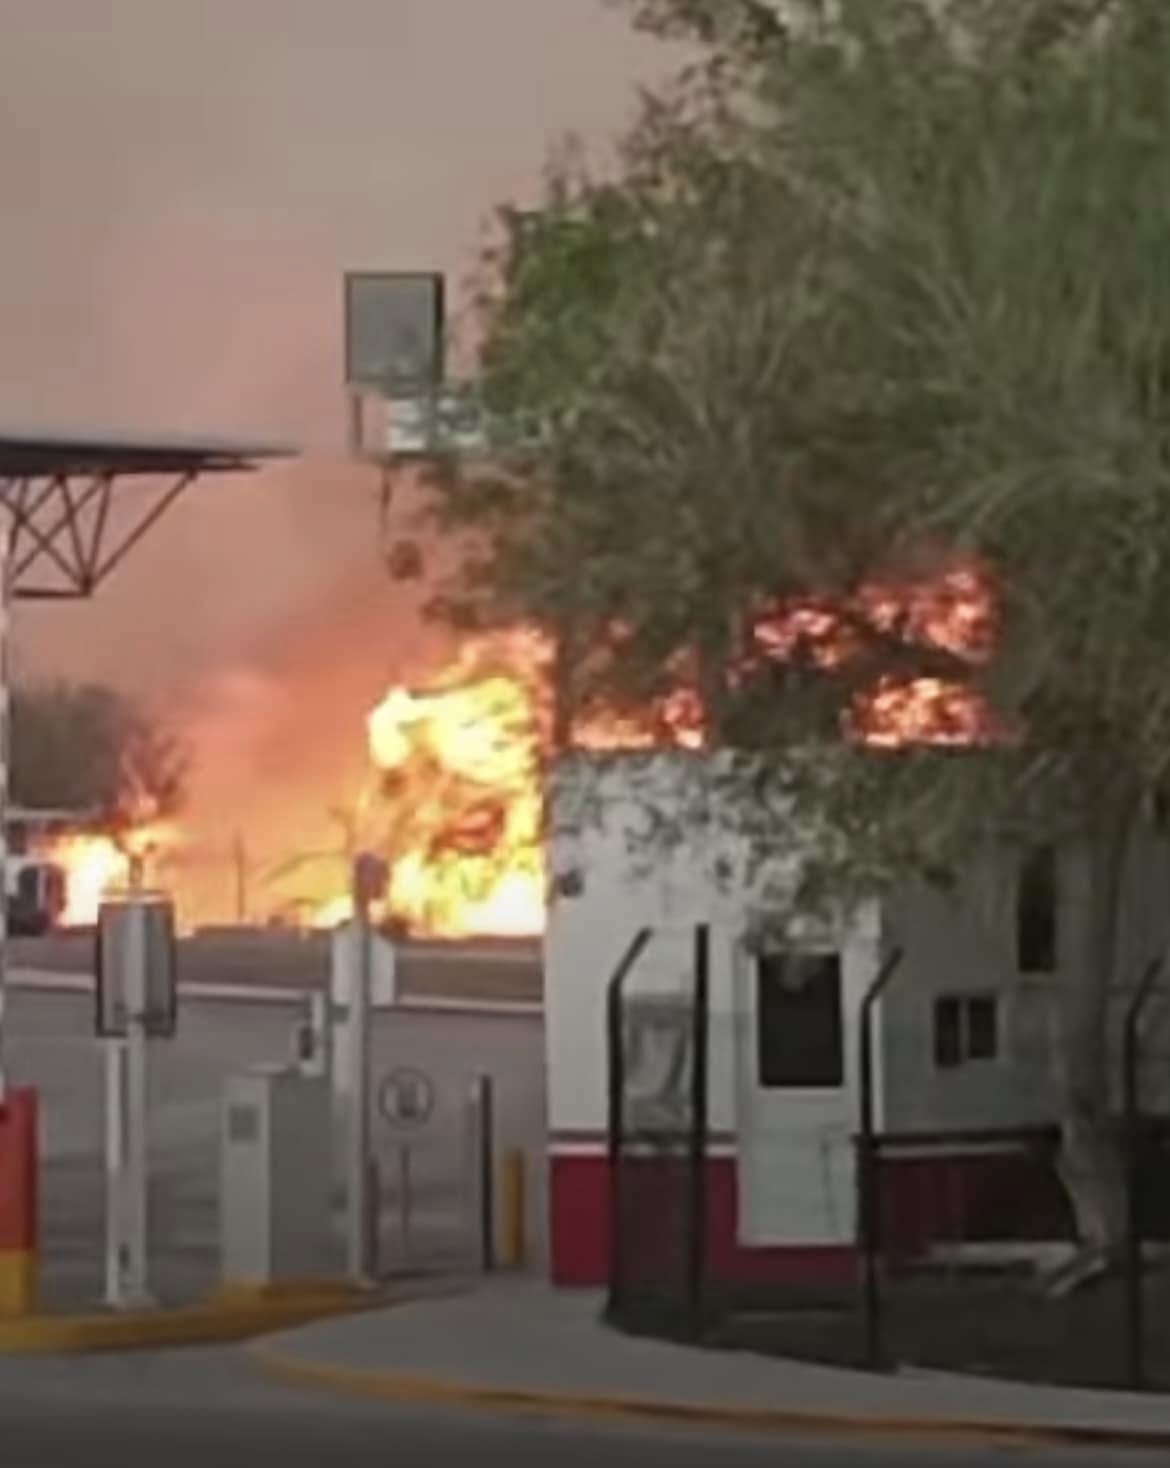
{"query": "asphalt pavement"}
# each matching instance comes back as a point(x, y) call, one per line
point(194, 1407)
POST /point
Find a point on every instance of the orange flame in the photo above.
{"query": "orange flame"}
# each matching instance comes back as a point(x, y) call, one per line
point(96, 864)
point(453, 800)
point(459, 800)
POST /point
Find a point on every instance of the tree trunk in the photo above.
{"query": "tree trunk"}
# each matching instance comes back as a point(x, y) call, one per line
point(1091, 1164)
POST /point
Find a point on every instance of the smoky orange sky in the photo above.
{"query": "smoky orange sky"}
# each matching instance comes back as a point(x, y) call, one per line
point(184, 185)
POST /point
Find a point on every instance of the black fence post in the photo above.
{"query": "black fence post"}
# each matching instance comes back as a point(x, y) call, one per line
point(697, 1202)
point(1134, 1223)
point(869, 1206)
point(615, 1118)
point(486, 1107)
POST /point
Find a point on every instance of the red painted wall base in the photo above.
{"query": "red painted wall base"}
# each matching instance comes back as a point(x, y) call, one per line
point(579, 1197)
point(932, 1199)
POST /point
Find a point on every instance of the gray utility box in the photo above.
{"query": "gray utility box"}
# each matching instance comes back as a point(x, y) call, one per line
point(276, 1177)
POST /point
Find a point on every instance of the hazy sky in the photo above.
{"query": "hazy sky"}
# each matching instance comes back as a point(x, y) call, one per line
point(183, 186)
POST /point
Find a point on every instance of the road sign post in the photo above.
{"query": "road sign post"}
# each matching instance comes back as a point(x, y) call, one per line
point(406, 1102)
point(369, 883)
point(136, 996)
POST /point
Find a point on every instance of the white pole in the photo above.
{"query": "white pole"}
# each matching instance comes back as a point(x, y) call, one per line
point(115, 1063)
point(136, 1290)
point(5, 755)
point(357, 1191)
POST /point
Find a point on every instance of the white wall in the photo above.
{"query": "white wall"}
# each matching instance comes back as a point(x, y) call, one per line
point(963, 941)
point(587, 935)
point(794, 1148)
point(959, 942)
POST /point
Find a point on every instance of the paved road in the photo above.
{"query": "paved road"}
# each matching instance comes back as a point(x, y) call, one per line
point(193, 1408)
point(499, 970)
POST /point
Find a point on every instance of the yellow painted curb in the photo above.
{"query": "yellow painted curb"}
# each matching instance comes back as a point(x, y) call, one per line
point(234, 1315)
point(402, 1387)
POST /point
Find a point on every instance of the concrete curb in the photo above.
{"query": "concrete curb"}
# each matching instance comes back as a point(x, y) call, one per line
point(223, 1319)
point(423, 1390)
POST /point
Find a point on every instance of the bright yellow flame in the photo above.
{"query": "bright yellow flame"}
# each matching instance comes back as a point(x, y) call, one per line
point(333, 913)
point(459, 795)
point(93, 866)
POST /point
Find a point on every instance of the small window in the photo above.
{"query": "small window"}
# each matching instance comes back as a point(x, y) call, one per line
point(1036, 908)
point(966, 1027)
point(800, 1033)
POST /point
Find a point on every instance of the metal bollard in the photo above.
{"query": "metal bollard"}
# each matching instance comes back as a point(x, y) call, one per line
point(480, 1175)
point(513, 1211)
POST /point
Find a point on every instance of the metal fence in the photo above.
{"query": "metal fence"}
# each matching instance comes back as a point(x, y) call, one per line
point(969, 1255)
point(657, 1043)
point(963, 1236)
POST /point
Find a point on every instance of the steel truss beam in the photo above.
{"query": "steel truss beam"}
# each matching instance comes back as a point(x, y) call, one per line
point(70, 531)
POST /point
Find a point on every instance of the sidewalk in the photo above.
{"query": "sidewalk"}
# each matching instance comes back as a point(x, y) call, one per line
point(519, 1345)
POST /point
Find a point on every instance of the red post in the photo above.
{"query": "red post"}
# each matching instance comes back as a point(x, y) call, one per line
point(19, 1221)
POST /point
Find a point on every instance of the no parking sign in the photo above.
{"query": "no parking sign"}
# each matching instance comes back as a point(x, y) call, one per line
point(406, 1098)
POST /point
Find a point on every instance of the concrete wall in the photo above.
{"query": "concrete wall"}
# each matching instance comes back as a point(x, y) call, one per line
point(50, 1045)
point(963, 941)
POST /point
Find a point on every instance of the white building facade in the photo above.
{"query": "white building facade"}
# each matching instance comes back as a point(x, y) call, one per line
point(964, 1034)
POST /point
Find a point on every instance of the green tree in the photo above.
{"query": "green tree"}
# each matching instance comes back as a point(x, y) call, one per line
point(861, 301)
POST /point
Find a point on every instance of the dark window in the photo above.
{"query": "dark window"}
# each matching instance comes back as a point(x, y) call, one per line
point(1036, 904)
point(948, 1043)
point(800, 1032)
point(982, 1028)
point(966, 1027)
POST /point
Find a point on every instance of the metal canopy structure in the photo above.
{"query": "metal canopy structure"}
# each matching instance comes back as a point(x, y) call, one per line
point(68, 526)
point(64, 527)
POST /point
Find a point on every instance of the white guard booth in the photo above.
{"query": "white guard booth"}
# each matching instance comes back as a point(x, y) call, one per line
point(632, 845)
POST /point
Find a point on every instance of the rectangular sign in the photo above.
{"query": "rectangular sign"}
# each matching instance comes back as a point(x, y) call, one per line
point(135, 967)
point(395, 322)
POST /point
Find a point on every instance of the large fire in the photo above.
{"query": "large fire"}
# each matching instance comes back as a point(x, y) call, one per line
point(96, 863)
point(452, 800)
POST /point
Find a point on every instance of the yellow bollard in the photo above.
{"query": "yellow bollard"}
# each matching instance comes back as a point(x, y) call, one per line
point(513, 1241)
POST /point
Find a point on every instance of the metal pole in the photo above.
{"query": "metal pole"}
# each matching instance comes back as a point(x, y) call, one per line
point(5, 756)
point(240, 860)
point(115, 1077)
point(615, 1120)
point(137, 1142)
point(697, 1203)
point(358, 1110)
point(485, 1109)
point(358, 1117)
point(868, 1182)
point(1134, 1301)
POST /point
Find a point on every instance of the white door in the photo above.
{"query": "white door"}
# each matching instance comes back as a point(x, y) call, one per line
point(794, 1097)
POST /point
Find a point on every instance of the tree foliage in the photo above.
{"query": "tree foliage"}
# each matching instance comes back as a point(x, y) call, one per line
point(88, 748)
point(881, 285)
